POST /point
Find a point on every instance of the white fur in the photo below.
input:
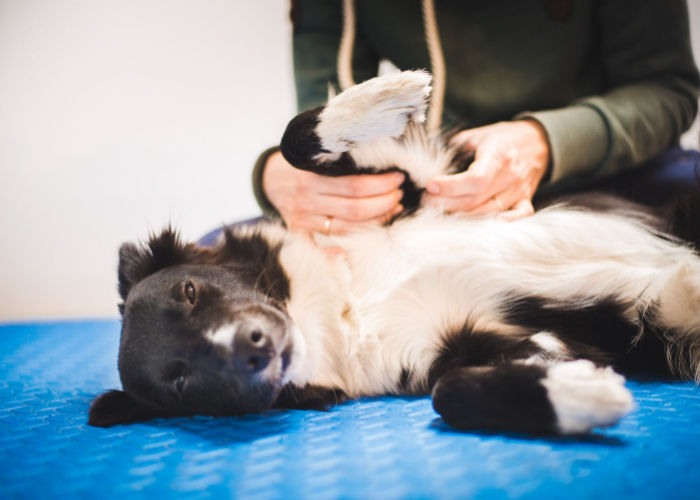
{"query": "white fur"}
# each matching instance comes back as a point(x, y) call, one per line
point(385, 304)
point(552, 348)
point(380, 107)
point(222, 336)
point(379, 122)
point(585, 397)
point(419, 155)
point(320, 313)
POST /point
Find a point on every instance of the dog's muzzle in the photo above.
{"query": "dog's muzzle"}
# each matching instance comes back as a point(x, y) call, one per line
point(251, 341)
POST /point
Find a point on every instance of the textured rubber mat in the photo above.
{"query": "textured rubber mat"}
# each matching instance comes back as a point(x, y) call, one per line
point(377, 448)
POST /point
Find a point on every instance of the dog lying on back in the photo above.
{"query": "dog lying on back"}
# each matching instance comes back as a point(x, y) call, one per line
point(516, 326)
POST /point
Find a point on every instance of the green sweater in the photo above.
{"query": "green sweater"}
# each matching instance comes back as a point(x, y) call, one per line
point(612, 82)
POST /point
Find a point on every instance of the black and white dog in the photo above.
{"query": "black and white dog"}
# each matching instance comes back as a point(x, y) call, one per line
point(517, 326)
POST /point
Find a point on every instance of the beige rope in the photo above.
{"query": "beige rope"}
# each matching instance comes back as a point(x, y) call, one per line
point(437, 65)
point(347, 43)
point(437, 59)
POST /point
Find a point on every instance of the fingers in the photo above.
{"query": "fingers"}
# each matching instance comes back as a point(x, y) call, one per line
point(357, 209)
point(480, 192)
point(478, 183)
point(470, 139)
point(311, 211)
point(471, 190)
point(356, 186)
point(329, 225)
point(509, 205)
point(306, 200)
point(495, 205)
point(510, 161)
point(335, 215)
point(521, 210)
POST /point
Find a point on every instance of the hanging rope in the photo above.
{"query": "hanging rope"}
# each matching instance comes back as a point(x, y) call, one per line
point(437, 65)
point(347, 43)
point(437, 59)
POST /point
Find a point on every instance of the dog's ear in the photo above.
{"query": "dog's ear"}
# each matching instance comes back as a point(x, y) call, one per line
point(163, 250)
point(118, 407)
point(133, 267)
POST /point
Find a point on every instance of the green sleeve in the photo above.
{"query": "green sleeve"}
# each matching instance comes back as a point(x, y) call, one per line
point(268, 208)
point(317, 29)
point(645, 48)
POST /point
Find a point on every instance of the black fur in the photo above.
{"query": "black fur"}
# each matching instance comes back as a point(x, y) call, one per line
point(117, 407)
point(174, 292)
point(309, 397)
point(481, 379)
point(683, 221)
point(300, 145)
point(166, 312)
point(599, 332)
point(299, 142)
point(207, 330)
point(162, 251)
point(507, 396)
point(253, 249)
point(477, 382)
point(467, 347)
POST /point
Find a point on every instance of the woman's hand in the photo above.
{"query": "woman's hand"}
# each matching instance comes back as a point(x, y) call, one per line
point(331, 205)
point(510, 160)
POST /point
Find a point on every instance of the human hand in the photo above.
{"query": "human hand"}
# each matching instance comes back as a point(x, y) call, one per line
point(310, 202)
point(510, 160)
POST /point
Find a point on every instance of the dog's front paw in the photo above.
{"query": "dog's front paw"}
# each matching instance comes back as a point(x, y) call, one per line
point(585, 397)
point(377, 108)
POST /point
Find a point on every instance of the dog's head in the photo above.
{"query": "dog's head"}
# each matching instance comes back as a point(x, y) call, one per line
point(204, 331)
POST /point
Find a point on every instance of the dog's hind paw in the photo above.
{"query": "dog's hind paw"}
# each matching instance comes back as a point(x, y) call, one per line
point(377, 108)
point(585, 397)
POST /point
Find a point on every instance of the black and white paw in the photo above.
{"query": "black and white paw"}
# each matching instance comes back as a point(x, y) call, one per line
point(321, 139)
point(507, 397)
point(585, 397)
point(565, 398)
point(377, 108)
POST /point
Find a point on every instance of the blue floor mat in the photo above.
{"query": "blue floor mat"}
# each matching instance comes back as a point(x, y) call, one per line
point(380, 448)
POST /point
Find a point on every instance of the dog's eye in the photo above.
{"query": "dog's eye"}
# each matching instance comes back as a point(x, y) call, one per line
point(190, 292)
point(180, 384)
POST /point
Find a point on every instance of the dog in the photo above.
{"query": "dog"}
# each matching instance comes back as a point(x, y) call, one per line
point(523, 326)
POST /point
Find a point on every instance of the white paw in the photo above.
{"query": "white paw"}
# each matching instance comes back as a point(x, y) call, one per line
point(380, 107)
point(585, 397)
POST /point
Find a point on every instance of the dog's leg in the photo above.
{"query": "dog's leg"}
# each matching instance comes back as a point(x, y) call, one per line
point(658, 333)
point(569, 397)
point(675, 314)
point(525, 382)
point(320, 139)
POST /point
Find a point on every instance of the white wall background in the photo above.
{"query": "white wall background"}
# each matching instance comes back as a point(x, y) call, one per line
point(119, 116)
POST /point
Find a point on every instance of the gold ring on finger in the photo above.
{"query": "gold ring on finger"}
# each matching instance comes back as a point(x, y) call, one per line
point(498, 203)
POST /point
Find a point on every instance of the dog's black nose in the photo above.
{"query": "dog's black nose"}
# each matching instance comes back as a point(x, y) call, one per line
point(252, 349)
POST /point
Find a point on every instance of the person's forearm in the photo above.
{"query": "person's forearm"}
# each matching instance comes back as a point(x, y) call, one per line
point(602, 135)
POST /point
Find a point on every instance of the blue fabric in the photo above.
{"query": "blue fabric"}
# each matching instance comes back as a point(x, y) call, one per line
point(659, 180)
point(212, 236)
point(383, 448)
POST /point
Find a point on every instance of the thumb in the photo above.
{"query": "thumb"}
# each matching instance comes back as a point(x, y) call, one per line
point(474, 181)
point(467, 140)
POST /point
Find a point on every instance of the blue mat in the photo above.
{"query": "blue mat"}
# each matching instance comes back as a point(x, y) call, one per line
point(375, 448)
